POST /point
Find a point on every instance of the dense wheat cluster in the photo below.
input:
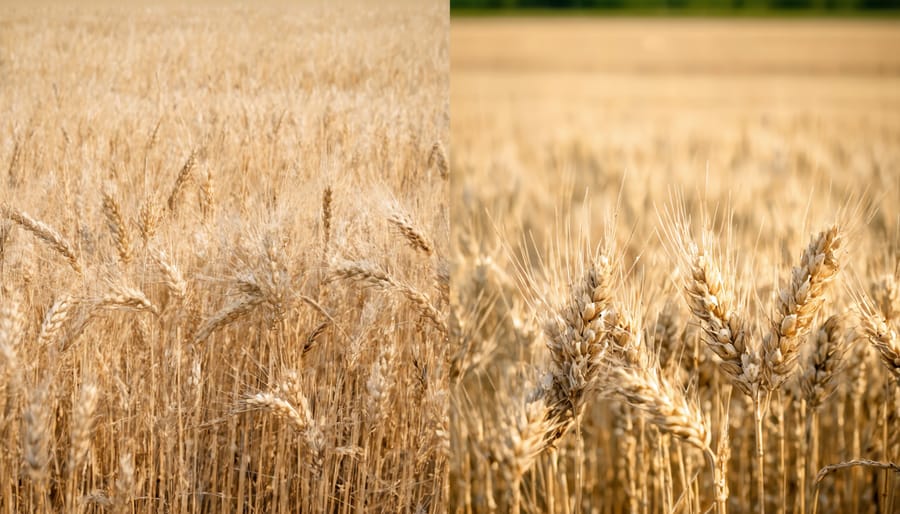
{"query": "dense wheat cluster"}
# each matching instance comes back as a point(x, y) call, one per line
point(223, 235)
point(675, 280)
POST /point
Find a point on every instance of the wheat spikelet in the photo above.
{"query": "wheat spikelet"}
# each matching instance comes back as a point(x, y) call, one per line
point(116, 223)
point(5, 231)
point(520, 441)
point(183, 177)
point(172, 276)
point(327, 198)
point(124, 492)
point(724, 330)
point(55, 318)
point(575, 340)
point(666, 334)
point(36, 426)
point(207, 201)
point(299, 417)
point(226, 316)
point(82, 427)
point(11, 319)
point(11, 328)
point(437, 159)
point(798, 304)
point(370, 275)
point(825, 362)
point(886, 295)
point(45, 233)
point(644, 389)
point(381, 380)
point(883, 338)
point(414, 236)
point(148, 219)
point(283, 409)
point(314, 335)
point(126, 298)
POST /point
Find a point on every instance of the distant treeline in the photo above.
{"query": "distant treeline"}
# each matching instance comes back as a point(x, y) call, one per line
point(692, 5)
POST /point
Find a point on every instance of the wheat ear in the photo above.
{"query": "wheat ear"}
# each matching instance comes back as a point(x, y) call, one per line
point(45, 233)
point(798, 304)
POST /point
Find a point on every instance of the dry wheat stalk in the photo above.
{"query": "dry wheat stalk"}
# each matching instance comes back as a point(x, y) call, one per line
point(798, 304)
point(116, 223)
point(723, 455)
point(45, 233)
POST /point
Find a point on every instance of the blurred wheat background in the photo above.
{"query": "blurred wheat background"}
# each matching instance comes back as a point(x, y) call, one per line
point(222, 254)
point(675, 265)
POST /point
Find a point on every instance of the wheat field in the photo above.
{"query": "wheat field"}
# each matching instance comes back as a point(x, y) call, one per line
point(675, 266)
point(224, 237)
